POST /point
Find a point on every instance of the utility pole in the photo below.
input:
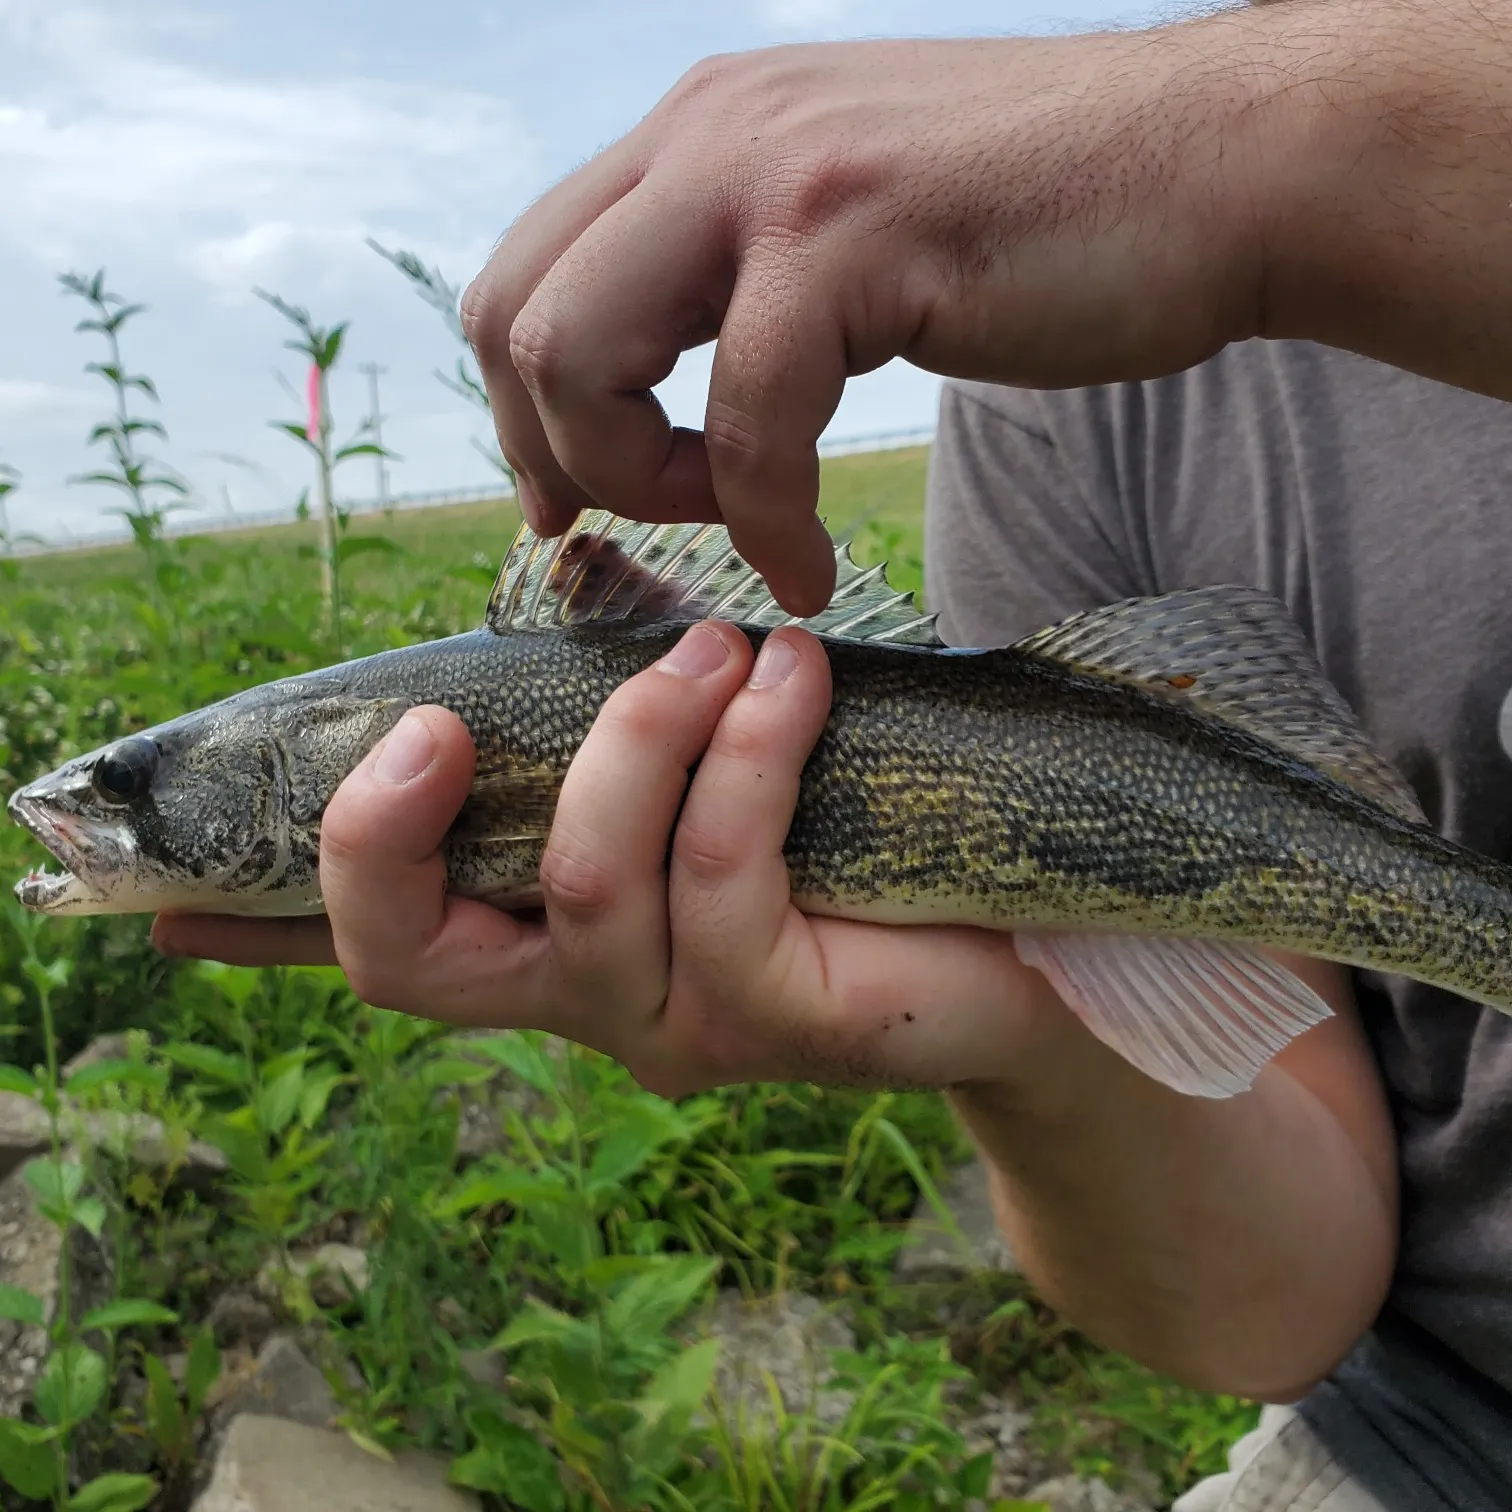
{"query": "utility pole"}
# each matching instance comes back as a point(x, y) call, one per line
point(373, 370)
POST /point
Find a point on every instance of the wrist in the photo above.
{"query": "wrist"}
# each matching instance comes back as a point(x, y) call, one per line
point(1377, 157)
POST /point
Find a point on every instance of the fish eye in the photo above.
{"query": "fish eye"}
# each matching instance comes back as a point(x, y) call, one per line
point(125, 771)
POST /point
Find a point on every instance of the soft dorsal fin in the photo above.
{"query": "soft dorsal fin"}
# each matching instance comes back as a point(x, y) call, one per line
point(607, 568)
point(1237, 654)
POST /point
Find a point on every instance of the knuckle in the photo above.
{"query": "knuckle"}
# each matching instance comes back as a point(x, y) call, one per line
point(706, 77)
point(708, 848)
point(369, 982)
point(574, 881)
point(476, 311)
point(536, 351)
point(732, 437)
point(344, 836)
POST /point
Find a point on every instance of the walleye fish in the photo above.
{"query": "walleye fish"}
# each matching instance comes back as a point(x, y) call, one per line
point(1148, 795)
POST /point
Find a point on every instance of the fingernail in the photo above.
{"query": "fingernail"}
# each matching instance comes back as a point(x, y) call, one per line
point(697, 654)
point(406, 752)
point(776, 662)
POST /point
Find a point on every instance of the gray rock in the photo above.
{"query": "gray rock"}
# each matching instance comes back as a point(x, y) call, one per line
point(335, 1273)
point(143, 1140)
point(281, 1382)
point(24, 1131)
point(265, 1465)
point(30, 1249)
point(138, 1137)
point(789, 1337)
point(1070, 1493)
point(996, 1427)
point(237, 1317)
point(931, 1251)
point(487, 1367)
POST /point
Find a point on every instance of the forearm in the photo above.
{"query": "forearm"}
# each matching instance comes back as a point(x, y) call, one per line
point(1240, 1245)
point(1370, 154)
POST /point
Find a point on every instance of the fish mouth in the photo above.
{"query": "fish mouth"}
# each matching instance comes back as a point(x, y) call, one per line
point(73, 848)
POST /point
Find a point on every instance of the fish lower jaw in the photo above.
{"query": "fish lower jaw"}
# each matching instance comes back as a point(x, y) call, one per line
point(45, 892)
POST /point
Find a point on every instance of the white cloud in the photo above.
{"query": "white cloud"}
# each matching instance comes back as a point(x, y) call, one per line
point(221, 170)
point(28, 396)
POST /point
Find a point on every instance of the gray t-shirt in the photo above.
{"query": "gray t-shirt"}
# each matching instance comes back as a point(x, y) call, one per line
point(1377, 505)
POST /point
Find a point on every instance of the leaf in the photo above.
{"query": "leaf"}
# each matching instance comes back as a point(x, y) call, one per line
point(27, 1458)
point(538, 1323)
point(455, 1071)
point(165, 1415)
point(683, 1382)
point(114, 1493)
point(208, 1062)
point(71, 1385)
point(639, 1130)
point(645, 1306)
point(319, 1084)
point(56, 1182)
point(127, 1312)
point(47, 976)
point(21, 1306)
point(89, 1214)
point(14, 1079)
point(116, 1073)
point(511, 1462)
point(297, 430)
point(518, 1188)
point(570, 1233)
point(278, 1101)
point(974, 1477)
point(202, 1370)
point(520, 1055)
point(361, 449)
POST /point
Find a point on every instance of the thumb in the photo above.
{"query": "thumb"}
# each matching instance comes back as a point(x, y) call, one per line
point(381, 869)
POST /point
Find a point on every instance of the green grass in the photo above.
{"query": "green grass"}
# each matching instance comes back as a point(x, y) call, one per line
point(583, 1249)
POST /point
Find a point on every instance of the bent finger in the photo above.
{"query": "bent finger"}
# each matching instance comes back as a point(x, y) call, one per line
point(778, 377)
point(548, 497)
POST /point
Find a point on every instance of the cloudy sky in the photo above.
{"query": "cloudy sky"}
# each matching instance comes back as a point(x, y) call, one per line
point(195, 150)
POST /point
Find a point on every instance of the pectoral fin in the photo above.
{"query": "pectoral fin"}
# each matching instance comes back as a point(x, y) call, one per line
point(1201, 1017)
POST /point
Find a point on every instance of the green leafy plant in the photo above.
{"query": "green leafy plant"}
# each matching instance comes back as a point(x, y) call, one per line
point(322, 346)
point(72, 1385)
point(133, 473)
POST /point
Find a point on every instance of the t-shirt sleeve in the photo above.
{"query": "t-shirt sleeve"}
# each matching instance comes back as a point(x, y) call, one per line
point(1023, 517)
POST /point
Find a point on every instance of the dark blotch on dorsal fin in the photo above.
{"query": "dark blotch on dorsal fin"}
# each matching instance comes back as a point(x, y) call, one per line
point(1238, 655)
point(605, 568)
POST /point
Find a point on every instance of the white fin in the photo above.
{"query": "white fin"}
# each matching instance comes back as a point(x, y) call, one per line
point(606, 568)
point(1200, 1017)
point(1237, 654)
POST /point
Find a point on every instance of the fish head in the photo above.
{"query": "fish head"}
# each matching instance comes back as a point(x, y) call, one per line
point(217, 811)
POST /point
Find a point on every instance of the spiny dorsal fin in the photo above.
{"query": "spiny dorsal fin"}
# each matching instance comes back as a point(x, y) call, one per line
point(1237, 654)
point(606, 568)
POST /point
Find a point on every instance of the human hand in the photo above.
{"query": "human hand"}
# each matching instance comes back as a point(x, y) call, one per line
point(690, 965)
point(1036, 211)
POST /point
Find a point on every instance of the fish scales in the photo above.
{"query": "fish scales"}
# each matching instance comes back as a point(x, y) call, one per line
point(1149, 795)
point(1001, 788)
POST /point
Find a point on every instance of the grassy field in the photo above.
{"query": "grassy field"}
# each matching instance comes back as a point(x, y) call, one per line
point(577, 1245)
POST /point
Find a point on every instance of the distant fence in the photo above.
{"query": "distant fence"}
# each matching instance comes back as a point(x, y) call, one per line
point(198, 523)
